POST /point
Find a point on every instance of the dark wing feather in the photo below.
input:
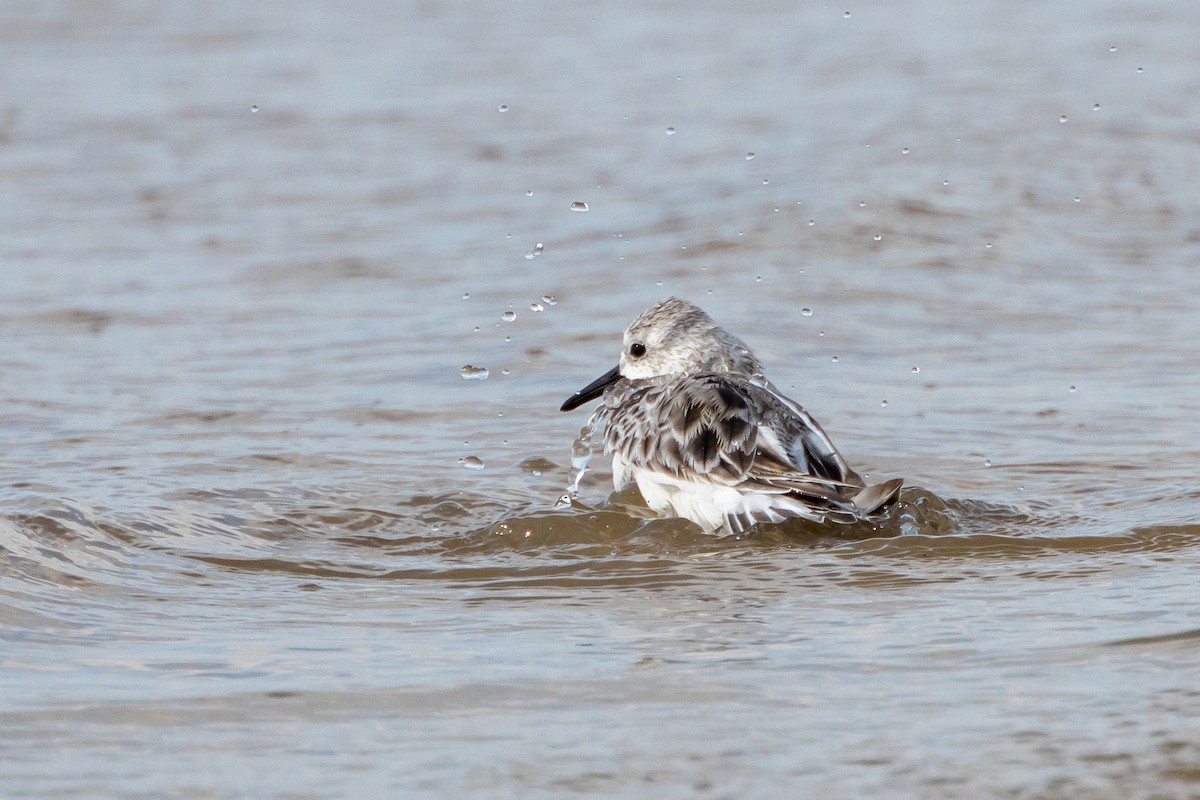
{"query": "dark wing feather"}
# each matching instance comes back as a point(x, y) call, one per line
point(699, 424)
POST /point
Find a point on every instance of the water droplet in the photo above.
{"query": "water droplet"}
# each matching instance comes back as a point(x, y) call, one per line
point(834, 359)
point(765, 181)
point(529, 192)
point(535, 252)
point(812, 222)
point(470, 373)
point(1062, 120)
point(846, 14)
point(758, 278)
point(1076, 199)
point(987, 462)
point(903, 151)
point(549, 300)
point(820, 333)
point(945, 183)
point(915, 370)
point(466, 295)
point(879, 237)
point(987, 246)
point(806, 312)
point(502, 108)
point(1095, 106)
point(749, 156)
point(1071, 389)
point(883, 403)
point(253, 109)
point(579, 205)
point(862, 204)
point(506, 372)
point(670, 131)
point(1139, 70)
point(536, 307)
point(508, 338)
point(472, 462)
point(1112, 49)
point(658, 283)
point(508, 316)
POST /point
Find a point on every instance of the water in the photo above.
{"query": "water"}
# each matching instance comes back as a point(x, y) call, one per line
point(242, 552)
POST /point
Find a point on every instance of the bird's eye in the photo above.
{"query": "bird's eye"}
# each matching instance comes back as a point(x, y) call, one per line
point(637, 349)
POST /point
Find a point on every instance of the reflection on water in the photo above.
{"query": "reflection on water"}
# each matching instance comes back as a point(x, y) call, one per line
point(258, 537)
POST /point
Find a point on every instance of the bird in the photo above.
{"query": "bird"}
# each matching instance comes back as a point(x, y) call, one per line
point(690, 417)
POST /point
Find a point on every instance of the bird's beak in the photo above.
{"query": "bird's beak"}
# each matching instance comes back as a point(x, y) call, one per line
point(593, 389)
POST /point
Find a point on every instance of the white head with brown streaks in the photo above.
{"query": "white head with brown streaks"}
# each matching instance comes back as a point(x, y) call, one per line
point(674, 337)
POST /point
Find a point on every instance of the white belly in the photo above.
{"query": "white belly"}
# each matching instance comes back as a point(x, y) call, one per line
point(705, 503)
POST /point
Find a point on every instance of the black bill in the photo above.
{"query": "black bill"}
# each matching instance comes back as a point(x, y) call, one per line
point(593, 389)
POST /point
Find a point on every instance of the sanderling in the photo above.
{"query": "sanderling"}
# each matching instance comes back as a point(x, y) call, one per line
point(690, 417)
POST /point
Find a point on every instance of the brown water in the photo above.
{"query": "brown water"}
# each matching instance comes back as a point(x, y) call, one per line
point(242, 555)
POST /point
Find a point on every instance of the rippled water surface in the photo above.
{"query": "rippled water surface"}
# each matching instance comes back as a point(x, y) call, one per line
point(260, 538)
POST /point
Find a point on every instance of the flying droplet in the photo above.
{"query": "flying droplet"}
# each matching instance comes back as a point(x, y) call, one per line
point(472, 462)
point(508, 316)
point(535, 252)
point(806, 312)
point(579, 205)
point(470, 373)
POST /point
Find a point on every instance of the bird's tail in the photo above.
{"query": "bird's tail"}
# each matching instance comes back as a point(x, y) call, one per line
point(876, 499)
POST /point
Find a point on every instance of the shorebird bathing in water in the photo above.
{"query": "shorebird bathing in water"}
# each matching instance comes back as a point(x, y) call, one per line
point(689, 416)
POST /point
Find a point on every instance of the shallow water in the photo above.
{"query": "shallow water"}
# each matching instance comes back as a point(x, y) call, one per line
point(247, 251)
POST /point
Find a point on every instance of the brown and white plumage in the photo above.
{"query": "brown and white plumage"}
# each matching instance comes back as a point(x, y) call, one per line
point(689, 416)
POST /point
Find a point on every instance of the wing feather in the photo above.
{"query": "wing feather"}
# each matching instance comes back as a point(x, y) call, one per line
point(741, 433)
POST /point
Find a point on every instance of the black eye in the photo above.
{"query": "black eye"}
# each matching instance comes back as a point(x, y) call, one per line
point(637, 349)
